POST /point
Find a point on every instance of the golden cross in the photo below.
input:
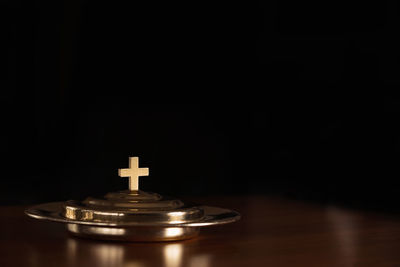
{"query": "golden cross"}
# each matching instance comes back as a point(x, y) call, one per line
point(133, 172)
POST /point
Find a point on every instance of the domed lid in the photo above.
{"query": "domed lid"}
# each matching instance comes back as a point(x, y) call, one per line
point(132, 206)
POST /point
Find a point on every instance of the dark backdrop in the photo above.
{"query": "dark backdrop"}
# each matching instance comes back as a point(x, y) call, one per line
point(215, 97)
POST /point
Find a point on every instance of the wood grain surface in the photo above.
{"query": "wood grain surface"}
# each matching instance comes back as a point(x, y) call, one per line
point(272, 232)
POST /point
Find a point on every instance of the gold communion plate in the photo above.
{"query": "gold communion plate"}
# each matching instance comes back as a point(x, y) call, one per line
point(133, 215)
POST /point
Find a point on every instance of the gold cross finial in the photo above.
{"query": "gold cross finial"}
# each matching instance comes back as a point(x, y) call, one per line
point(133, 172)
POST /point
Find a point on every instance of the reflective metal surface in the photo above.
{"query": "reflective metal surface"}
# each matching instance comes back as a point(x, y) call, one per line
point(133, 215)
point(128, 207)
point(138, 234)
point(133, 228)
point(212, 216)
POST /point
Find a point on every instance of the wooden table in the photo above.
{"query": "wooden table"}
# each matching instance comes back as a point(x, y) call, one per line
point(272, 232)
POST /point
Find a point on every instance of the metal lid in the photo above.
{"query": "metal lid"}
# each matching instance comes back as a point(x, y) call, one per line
point(127, 207)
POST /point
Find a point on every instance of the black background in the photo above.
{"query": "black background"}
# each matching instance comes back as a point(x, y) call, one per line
point(215, 97)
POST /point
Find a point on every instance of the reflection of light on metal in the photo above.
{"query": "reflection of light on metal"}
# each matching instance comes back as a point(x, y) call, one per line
point(200, 261)
point(344, 227)
point(173, 232)
point(109, 231)
point(173, 254)
point(176, 217)
point(72, 227)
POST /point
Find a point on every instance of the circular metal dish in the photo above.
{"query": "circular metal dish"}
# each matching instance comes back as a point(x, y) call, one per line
point(133, 216)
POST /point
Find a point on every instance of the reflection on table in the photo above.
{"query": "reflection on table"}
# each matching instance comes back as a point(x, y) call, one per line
point(107, 254)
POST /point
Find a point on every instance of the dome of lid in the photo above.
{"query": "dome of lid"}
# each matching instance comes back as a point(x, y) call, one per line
point(132, 207)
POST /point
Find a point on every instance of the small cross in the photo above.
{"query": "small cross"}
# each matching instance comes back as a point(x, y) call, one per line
point(133, 172)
